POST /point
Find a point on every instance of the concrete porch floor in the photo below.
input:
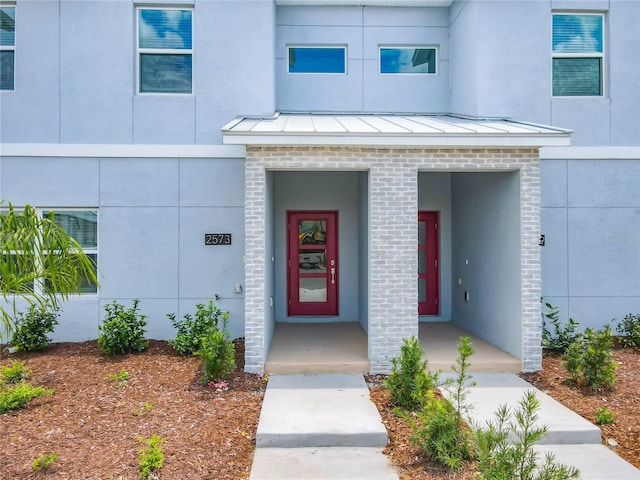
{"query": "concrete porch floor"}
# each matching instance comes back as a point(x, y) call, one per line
point(342, 348)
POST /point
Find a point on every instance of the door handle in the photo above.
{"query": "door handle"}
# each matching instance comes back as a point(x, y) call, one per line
point(333, 275)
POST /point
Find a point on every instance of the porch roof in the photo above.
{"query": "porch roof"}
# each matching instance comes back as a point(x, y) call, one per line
point(390, 130)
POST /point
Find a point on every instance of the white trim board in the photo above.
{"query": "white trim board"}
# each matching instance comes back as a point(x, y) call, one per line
point(120, 150)
point(590, 153)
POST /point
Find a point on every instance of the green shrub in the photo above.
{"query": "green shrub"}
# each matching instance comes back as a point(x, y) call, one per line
point(410, 379)
point(504, 448)
point(217, 352)
point(439, 429)
point(589, 360)
point(31, 328)
point(604, 416)
point(14, 373)
point(192, 329)
point(629, 329)
point(151, 456)
point(122, 377)
point(562, 336)
point(18, 395)
point(122, 330)
point(44, 462)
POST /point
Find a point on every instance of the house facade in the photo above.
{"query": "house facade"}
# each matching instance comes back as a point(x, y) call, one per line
point(386, 162)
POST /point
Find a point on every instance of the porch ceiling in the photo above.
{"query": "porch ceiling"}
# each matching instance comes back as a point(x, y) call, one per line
point(390, 130)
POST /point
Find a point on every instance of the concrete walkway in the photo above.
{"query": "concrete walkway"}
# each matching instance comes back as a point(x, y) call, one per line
point(320, 427)
point(325, 427)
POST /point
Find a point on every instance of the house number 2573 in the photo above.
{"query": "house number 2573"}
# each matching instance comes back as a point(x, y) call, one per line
point(217, 239)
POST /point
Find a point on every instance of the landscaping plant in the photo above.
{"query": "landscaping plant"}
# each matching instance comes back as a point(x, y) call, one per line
point(589, 360)
point(18, 395)
point(44, 462)
point(629, 329)
point(217, 352)
point(504, 447)
point(151, 456)
point(439, 429)
point(31, 328)
point(122, 377)
point(122, 330)
point(410, 379)
point(604, 416)
point(192, 328)
point(562, 336)
point(14, 373)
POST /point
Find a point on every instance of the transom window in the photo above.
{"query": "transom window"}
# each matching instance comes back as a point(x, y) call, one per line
point(7, 46)
point(420, 60)
point(317, 59)
point(165, 51)
point(578, 54)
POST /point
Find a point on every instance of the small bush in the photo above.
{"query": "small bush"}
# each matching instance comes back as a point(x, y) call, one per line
point(14, 373)
point(504, 447)
point(604, 416)
point(410, 379)
point(122, 330)
point(32, 328)
point(629, 329)
point(192, 329)
point(562, 336)
point(122, 377)
point(44, 462)
point(217, 352)
point(589, 360)
point(439, 430)
point(17, 396)
point(151, 456)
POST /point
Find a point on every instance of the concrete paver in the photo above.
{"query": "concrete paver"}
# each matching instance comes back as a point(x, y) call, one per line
point(318, 410)
point(495, 389)
point(595, 462)
point(329, 463)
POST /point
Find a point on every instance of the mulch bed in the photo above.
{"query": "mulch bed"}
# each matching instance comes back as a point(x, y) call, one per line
point(95, 424)
point(623, 400)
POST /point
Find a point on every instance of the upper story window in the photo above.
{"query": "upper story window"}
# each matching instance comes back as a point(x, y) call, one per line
point(317, 59)
point(165, 52)
point(7, 46)
point(578, 54)
point(421, 60)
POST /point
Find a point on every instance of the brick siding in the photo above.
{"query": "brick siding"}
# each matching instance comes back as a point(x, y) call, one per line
point(393, 207)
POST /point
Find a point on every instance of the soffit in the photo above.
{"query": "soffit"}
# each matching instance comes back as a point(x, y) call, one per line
point(390, 130)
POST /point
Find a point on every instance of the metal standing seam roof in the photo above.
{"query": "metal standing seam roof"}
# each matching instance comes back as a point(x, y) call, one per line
point(390, 130)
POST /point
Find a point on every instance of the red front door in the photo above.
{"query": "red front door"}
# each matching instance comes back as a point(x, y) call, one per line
point(312, 272)
point(428, 290)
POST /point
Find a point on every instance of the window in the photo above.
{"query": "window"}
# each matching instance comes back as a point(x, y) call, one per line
point(165, 50)
point(82, 226)
point(578, 54)
point(317, 59)
point(7, 46)
point(407, 60)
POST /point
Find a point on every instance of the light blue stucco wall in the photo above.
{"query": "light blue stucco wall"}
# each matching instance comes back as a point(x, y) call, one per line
point(486, 257)
point(152, 217)
point(591, 220)
point(76, 80)
point(320, 191)
point(362, 30)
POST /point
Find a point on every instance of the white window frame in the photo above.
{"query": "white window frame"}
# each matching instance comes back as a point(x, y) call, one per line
point(163, 51)
point(600, 55)
point(38, 286)
point(406, 47)
point(11, 48)
point(319, 46)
